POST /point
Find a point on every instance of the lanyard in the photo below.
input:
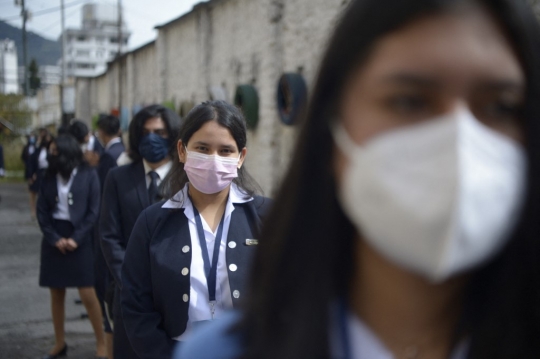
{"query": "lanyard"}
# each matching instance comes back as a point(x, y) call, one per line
point(210, 271)
point(344, 329)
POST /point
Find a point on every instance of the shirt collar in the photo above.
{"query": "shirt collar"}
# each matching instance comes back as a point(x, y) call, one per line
point(181, 199)
point(161, 170)
point(112, 142)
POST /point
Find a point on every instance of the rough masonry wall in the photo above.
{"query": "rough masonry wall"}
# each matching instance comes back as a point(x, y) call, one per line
point(225, 43)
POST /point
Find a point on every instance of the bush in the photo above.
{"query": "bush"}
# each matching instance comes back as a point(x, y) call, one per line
point(12, 154)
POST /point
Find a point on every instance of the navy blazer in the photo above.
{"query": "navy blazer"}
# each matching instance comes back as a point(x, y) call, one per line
point(155, 294)
point(124, 198)
point(83, 207)
point(107, 161)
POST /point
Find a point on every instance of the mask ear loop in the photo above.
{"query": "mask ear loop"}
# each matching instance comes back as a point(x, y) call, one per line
point(341, 138)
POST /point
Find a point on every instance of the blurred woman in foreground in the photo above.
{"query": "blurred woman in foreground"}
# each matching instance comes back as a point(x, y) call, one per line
point(407, 226)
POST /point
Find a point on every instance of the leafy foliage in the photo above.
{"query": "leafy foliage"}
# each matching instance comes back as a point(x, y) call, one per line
point(14, 112)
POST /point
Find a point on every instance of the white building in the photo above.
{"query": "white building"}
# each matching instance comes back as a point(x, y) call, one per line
point(90, 48)
point(8, 67)
point(49, 75)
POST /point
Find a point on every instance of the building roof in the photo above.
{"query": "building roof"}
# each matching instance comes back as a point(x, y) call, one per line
point(196, 7)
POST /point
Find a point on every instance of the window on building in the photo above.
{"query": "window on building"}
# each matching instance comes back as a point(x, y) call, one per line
point(85, 66)
point(83, 53)
point(81, 38)
point(113, 40)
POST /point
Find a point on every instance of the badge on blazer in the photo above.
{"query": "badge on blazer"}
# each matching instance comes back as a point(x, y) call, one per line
point(252, 242)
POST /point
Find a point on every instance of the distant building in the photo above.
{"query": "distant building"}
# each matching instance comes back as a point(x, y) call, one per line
point(90, 48)
point(49, 75)
point(8, 67)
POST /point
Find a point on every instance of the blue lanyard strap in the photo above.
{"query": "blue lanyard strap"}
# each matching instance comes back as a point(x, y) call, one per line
point(209, 271)
point(344, 329)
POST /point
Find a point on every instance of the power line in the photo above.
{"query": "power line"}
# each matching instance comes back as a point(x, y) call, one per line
point(57, 23)
point(46, 11)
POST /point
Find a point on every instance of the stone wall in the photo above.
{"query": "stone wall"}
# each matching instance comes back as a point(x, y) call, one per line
point(218, 45)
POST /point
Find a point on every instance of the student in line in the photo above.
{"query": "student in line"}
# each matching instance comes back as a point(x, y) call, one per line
point(108, 129)
point(127, 192)
point(67, 210)
point(188, 258)
point(407, 225)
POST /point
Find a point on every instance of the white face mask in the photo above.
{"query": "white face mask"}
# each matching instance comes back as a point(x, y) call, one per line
point(436, 198)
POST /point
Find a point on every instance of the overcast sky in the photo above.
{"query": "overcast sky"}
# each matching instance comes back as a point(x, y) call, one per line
point(140, 15)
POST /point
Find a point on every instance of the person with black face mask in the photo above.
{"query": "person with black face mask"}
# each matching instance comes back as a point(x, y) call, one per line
point(37, 163)
point(67, 209)
point(128, 191)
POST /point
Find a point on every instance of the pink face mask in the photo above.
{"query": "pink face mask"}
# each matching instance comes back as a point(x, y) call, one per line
point(210, 173)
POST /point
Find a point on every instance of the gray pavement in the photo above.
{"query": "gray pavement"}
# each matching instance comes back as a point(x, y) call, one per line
point(26, 329)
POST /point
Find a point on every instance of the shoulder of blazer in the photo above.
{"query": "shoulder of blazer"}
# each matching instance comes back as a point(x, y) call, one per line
point(126, 170)
point(85, 170)
point(156, 215)
point(262, 205)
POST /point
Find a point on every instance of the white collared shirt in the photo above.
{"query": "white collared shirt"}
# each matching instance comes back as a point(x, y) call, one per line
point(112, 142)
point(199, 307)
point(91, 143)
point(162, 171)
point(64, 197)
point(42, 159)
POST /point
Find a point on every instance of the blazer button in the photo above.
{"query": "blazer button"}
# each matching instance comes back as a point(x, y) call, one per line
point(70, 202)
point(233, 267)
point(185, 271)
point(232, 244)
point(70, 195)
point(185, 298)
point(185, 249)
point(236, 294)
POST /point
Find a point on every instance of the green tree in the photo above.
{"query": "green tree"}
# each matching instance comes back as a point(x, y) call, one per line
point(15, 116)
point(33, 78)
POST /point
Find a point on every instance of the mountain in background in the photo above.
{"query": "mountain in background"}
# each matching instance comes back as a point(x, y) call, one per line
point(46, 52)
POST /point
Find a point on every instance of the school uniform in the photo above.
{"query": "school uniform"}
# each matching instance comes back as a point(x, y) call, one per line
point(68, 210)
point(2, 168)
point(125, 197)
point(27, 152)
point(107, 161)
point(165, 293)
point(38, 166)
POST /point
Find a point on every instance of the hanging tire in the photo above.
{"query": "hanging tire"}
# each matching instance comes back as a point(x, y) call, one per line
point(246, 98)
point(291, 97)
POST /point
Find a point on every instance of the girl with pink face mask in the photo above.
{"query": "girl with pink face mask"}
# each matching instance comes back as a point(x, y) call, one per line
point(188, 258)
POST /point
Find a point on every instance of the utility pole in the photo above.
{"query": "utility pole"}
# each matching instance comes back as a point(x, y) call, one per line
point(24, 14)
point(63, 79)
point(119, 55)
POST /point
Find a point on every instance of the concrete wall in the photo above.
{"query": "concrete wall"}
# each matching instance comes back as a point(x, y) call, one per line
point(222, 44)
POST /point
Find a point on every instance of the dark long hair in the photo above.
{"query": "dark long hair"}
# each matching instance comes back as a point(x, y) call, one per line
point(69, 156)
point(226, 115)
point(136, 127)
point(305, 259)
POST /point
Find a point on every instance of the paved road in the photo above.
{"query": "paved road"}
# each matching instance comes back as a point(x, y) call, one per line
point(26, 329)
